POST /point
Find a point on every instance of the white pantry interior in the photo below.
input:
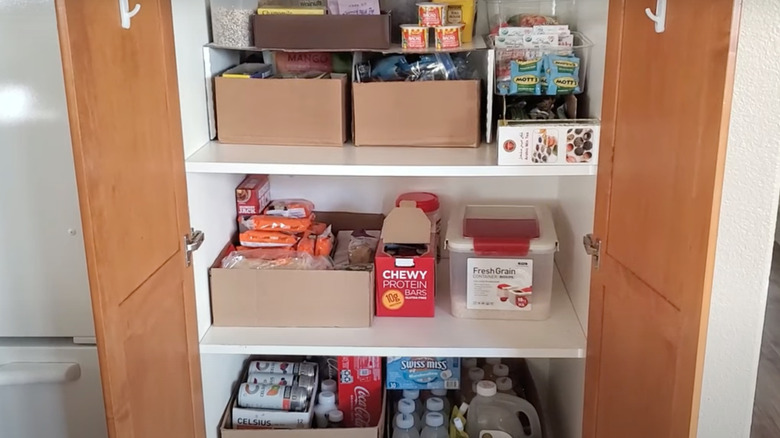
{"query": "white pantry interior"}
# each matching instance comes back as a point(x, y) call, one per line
point(368, 180)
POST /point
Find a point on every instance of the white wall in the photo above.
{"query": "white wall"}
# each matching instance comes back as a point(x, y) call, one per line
point(747, 220)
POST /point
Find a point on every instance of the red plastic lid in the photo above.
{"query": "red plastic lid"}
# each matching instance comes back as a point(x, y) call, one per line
point(427, 202)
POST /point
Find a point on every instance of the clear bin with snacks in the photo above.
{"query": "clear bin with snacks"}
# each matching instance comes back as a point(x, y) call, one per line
point(501, 261)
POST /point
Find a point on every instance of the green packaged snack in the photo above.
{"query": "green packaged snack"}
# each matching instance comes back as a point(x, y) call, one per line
point(526, 76)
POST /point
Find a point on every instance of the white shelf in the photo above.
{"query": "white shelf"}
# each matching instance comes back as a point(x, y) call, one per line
point(476, 44)
point(215, 157)
point(560, 336)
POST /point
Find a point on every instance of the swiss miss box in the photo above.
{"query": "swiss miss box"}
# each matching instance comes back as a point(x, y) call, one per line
point(405, 264)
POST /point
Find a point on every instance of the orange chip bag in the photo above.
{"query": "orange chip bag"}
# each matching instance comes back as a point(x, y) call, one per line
point(324, 245)
point(306, 244)
point(276, 223)
point(318, 228)
point(264, 239)
point(291, 208)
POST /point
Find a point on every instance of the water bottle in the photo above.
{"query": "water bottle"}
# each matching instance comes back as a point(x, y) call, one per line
point(404, 427)
point(406, 406)
point(490, 365)
point(414, 394)
point(435, 404)
point(505, 385)
point(442, 394)
point(335, 419)
point(434, 426)
point(327, 403)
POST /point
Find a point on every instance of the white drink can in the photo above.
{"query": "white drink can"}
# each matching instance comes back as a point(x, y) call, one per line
point(282, 380)
point(273, 367)
point(275, 397)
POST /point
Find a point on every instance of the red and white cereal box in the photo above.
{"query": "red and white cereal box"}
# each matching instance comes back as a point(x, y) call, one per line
point(253, 194)
point(405, 264)
point(360, 390)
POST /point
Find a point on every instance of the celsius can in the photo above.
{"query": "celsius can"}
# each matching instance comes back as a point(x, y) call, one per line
point(282, 380)
point(267, 366)
point(280, 398)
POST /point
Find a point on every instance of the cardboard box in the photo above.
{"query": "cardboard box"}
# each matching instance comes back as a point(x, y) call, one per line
point(405, 284)
point(282, 111)
point(539, 143)
point(429, 113)
point(326, 32)
point(227, 430)
point(423, 373)
point(360, 390)
point(257, 298)
point(253, 194)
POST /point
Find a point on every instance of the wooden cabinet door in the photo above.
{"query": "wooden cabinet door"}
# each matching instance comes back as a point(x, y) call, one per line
point(126, 132)
point(665, 120)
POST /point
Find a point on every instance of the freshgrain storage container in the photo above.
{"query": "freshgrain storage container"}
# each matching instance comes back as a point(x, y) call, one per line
point(501, 261)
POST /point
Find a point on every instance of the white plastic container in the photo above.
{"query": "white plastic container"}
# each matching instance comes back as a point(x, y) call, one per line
point(497, 414)
point(498, 277)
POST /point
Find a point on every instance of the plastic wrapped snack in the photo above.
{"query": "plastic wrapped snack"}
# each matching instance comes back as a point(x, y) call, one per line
point(266, 239)
point(266, 222)
point(290, 208)
point(362, 247)
point(275, 258)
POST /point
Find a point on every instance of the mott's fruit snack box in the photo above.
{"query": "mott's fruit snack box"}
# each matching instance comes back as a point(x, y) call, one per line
point(360, 390)
point(423, 373)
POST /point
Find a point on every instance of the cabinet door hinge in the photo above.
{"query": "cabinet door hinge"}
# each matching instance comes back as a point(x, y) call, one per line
point(593, 248)
point(192, 242)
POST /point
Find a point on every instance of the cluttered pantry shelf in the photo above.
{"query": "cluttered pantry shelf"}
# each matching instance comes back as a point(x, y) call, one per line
point(216, 157)
point(559, 336)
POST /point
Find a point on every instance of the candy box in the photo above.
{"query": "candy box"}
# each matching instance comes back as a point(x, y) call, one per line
point(572, 142)
point(405, 264)
point(360, 390)
point(423, 373)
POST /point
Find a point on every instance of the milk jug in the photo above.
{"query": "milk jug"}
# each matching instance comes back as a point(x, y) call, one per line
point(491, 411)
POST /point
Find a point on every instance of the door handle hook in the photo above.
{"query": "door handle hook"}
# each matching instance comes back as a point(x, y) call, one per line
point(125, 14)
point(659, 17)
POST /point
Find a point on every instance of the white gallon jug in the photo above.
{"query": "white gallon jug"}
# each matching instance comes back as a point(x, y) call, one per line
point(493, 412)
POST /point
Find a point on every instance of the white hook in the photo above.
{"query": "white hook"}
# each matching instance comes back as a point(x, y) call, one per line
point(125, 14)
point(659, 18)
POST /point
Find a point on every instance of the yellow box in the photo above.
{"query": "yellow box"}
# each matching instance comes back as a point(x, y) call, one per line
point(282, 10)
point(460, 12)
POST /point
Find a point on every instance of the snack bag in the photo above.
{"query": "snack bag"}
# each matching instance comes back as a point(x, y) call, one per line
point(275, 223)
point(290, 208)
point(266, 239)
point(526, 76)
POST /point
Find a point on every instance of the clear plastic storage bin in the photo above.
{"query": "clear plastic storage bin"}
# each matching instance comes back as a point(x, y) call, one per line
point(495, 277)
point(503, 12)
point(231, 22)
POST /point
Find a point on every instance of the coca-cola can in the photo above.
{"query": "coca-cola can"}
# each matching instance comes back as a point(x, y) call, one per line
point(290, 368)
point(283, 380)
point(276, 397)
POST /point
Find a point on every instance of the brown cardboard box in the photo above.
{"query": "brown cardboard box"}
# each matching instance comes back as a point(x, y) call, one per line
point(322, 32)
point(227, 431)
point(282, 111)
point(430, 113)
point(257, 298)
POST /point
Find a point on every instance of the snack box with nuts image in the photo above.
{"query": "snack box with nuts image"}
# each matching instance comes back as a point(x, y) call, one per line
point(573, 142)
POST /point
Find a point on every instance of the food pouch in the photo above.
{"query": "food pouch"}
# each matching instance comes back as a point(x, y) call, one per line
point(563, 74)
point(526, 76)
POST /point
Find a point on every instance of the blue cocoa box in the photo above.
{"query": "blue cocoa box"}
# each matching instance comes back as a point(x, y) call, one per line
point(423, 372)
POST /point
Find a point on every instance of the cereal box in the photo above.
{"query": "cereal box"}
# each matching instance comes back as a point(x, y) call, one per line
point(253, 194)
point(423, 373)
point(360, 390)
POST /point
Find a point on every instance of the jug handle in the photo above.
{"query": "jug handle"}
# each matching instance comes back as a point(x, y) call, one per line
point(533, 417)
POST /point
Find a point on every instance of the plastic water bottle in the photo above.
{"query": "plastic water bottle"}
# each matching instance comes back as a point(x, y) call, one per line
point(435, 404)
point(329, 385)
point(500, 370)
point(406, 406)
point(327, 403)
point(490, 365)
point(335, 419)
point(505, 385)
point(468, 362)
point(403, 427)
point(495, 413)
point(434, 426)
point(442, 394)
point(475, 376)
point(414, 394)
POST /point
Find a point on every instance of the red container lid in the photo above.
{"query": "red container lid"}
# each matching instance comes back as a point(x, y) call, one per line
point(427, 202)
